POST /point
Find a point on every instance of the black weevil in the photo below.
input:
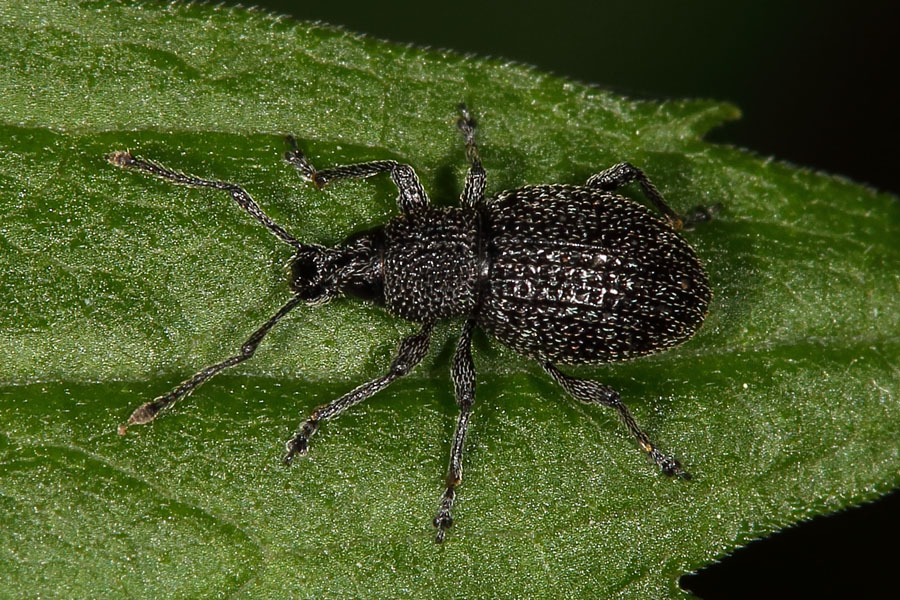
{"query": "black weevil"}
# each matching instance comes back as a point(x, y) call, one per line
point(560, 273)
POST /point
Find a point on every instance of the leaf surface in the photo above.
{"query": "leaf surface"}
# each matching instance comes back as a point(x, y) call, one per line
point(117, 286)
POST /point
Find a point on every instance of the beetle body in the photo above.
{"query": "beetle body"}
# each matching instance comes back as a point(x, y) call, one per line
point(560, 273)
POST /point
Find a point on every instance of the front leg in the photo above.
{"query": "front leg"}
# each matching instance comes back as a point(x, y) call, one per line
point(412, 194)
point(464, 384)
point(412, 350)
point(126, 160)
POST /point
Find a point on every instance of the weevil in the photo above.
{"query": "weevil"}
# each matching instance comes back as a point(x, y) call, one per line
point(571, 274)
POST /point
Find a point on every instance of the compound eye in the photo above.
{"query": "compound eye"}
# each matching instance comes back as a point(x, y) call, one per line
point(306, 275)
point(304, 269)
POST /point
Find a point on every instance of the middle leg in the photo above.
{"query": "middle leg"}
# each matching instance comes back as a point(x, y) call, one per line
point(473, 192)
point(464, 384)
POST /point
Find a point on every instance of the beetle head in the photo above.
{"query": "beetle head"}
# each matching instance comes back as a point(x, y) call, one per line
point(313, 271)
point(354, 268)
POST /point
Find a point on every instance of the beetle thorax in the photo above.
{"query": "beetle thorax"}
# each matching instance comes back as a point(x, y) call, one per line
point(431, 259)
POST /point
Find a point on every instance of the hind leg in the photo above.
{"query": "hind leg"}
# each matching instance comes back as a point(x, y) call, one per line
point(591, 392)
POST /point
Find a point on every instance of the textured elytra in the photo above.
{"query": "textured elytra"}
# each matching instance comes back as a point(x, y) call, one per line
point(581, 275)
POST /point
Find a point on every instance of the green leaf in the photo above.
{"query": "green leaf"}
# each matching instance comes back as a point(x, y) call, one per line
point(117, 286)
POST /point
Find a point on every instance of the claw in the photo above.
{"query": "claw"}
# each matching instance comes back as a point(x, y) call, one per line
point(299, 444)
point(296, 157)
point(701, 214)
point(670, 466)
point(442, 526)
point(120, 158)
point(294, 447)
point(143, 414)
point(465, 122)
point(444, 520)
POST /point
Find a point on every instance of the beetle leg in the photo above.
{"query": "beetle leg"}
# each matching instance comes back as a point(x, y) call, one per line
point(412, 350)
point(128, 161)
point(148, 411)
point(473, 191)
point(463, 375)
point(624, 173)
point(591, 392)
point(412, 194)
point(701, 214)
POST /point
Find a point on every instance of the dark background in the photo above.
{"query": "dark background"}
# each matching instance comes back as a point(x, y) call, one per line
point(816, 85)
